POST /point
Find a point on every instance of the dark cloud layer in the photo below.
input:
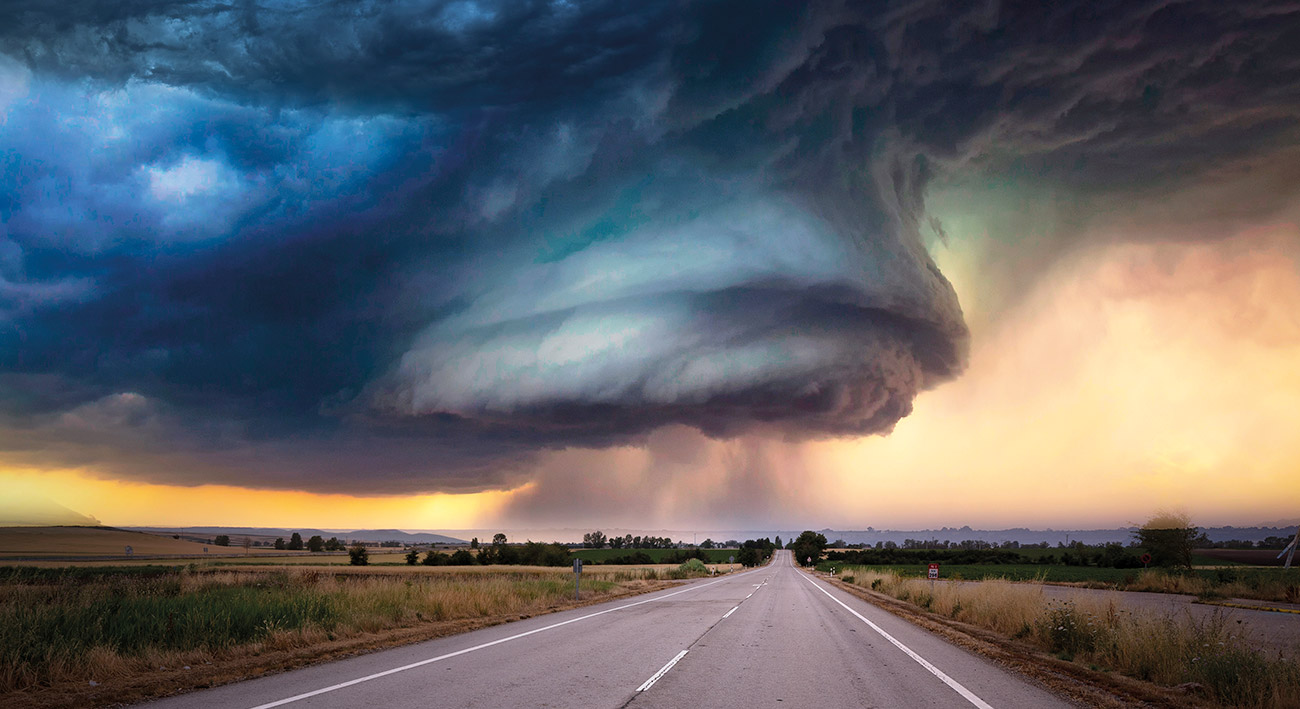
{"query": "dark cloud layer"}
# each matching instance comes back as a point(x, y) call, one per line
point(403, 246)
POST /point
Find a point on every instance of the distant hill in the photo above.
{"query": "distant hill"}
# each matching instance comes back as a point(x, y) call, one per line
point(360, 535)
point(30, 511)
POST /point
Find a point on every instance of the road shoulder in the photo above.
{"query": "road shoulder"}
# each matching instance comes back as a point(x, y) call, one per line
point(1067, 679)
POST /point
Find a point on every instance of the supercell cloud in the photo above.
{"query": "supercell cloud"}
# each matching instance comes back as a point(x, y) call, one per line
point(406, 246)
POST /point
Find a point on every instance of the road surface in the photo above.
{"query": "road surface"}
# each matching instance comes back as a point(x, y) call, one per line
point(770, 637)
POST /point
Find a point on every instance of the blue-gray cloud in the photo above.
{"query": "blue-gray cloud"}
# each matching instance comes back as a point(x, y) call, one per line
point(403, 246)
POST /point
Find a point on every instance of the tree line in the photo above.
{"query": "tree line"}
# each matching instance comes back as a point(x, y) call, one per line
point(499, 552)
point(598, 540)
point(315, 543)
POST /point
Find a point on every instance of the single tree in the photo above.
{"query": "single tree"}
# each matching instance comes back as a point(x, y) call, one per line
point(334, 545)
point(295, 542)
point(316, 543)
point(279, 543)
point(808, 548)
point(222, 540)
point(498, 539)
point(413, 557)
point(1169, 537)
point(358, 556)
point(779, 545)
point(473, 543)
point(433, 558)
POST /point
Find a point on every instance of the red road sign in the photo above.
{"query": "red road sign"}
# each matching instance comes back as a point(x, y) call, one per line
point(934, 571)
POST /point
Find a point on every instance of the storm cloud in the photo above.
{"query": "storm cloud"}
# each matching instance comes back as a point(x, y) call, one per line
point(406, 246)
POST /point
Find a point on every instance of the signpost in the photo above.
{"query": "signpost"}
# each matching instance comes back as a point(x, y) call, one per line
point(577, 576)
point(1146, 560)
point(934, 571)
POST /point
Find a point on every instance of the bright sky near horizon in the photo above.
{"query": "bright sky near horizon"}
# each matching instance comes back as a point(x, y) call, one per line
point(592, 265)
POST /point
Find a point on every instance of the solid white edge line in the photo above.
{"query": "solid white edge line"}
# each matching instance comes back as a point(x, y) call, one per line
point(662, 671)
point(965, 693)
point(421, 663)
point(728, 613)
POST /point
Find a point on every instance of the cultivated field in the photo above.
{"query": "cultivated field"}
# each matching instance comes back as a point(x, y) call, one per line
point(1222, 665)
point(88, 636)
point(29, 542)
point(1254, 557)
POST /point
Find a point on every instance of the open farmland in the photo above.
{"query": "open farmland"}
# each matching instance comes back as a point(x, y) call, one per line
point(87, 636)
point(1049, 573)
point(1253, 557)
point(30, 542)
point(335, 558)
point(1264, 584)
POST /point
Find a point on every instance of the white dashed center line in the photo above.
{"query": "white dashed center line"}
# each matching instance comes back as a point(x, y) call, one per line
point(662, 671)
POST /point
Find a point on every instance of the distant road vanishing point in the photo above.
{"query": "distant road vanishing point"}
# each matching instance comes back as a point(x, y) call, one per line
point(770, 637)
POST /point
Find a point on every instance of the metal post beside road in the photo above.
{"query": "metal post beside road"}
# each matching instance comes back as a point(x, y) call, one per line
point(577, 577)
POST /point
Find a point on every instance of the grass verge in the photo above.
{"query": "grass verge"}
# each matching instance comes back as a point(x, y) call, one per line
point(1189, 663)
point(96, 637)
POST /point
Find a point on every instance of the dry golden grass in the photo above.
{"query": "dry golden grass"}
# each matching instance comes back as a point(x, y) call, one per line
point(1166, 650)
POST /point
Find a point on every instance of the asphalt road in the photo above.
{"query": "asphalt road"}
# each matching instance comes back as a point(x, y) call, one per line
point(771, 637)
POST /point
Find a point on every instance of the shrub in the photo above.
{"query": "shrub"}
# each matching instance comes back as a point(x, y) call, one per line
point(1066, 630)
point(693, 566)
point(358, 556)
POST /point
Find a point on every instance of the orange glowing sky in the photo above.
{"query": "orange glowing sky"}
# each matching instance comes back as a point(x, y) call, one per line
point(1132, 377)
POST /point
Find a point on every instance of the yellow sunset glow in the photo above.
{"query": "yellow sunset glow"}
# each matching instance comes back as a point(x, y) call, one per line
point(117, 502)
point(1137, 377)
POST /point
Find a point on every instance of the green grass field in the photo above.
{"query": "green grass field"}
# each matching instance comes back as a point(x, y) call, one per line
point(597, 556)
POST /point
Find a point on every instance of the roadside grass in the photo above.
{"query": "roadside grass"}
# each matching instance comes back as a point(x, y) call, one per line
point(1265, 584)
point(84, 625)
point(1166, 650)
